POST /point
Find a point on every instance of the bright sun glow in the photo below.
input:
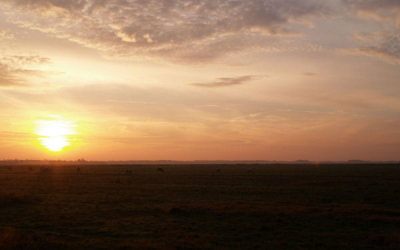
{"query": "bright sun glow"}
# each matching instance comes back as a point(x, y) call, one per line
point(55, 134)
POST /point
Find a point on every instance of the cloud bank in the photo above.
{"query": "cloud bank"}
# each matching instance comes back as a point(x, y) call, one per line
point(178, 30)
point(197, 31)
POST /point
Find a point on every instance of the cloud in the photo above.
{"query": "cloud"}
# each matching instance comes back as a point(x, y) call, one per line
point(225, 82)
point(25, 60)
point(178, 30)
point(383, 53)
point(7, 78)
point(383, 10)
point(14, 70)
point(5, 34)
point(383, 45)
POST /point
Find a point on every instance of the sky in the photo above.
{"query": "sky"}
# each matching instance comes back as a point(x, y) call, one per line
point(200, 79)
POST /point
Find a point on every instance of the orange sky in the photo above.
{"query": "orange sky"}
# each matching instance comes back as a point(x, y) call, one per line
point(200, 80)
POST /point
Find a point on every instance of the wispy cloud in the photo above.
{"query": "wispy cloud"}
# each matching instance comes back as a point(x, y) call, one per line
point(7, 78)
point(5, 34)
point(376, 51)
point(225, 82)
point(25, 60)
point(383, 44)
point(383, 10)
point(14, 70)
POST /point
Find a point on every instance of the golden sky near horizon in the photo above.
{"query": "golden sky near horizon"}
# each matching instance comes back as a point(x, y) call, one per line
point(200, 80)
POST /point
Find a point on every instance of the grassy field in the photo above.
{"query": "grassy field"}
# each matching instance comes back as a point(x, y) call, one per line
point(194, 207)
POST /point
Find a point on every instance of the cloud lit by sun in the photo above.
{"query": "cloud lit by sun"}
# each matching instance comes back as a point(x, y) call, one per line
point(55, 134)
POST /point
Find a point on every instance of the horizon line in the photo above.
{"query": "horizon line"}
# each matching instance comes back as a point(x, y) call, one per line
point(168, 162)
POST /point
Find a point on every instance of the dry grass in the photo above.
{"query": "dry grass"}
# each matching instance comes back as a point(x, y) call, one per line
point(9, 201)
point(193, 207)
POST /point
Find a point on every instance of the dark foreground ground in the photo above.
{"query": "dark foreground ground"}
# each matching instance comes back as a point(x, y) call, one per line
point(194, 207)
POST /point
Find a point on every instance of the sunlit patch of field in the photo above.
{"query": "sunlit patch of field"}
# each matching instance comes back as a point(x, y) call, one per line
point(195, 207)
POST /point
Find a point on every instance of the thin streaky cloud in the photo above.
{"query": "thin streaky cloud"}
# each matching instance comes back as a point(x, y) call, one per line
point(382, 45)
point(14, 70)
point(310, 74)
point(8, 78)
point(225, 82)
point(381, 53)
point(378, 9)
point(25, 60)
point(133, 102)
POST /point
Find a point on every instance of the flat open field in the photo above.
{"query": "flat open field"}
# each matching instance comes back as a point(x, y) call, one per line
point(194, 207)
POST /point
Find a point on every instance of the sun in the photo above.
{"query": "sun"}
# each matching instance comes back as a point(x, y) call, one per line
point(55, 134)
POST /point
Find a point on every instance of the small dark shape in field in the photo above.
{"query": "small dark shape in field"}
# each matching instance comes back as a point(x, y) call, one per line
point(10, 168)
point(78, 170)
point(30, 169)
point(160, 170)
point(218, 170)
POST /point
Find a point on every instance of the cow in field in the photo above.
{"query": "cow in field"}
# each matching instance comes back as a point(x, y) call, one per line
point(218, 170)
point(160, 170)
point(250, 170)
point(128, 172)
